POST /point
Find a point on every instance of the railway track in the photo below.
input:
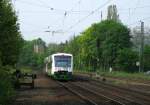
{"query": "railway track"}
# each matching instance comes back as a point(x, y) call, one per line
point(125, 99)
point(135, 89)
point(138, 97)
point(131, 95)
point(92, 97)
point(124, 88)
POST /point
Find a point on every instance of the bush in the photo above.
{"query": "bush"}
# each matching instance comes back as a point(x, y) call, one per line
point(6, 87)
point(126, 60)
point(147, 58)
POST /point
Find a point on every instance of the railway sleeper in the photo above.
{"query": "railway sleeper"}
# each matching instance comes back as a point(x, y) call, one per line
point(133, 103)
point(111, 102)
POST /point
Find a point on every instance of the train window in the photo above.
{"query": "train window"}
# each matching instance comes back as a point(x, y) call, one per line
point(63, 61)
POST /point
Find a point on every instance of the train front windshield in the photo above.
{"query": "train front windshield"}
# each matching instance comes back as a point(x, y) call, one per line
point(62, 61)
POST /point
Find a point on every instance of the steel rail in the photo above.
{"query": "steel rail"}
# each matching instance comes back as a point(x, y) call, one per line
point(101, 95)
point(116, 96)
point(113, 101)
point(88, 101)
point(121, 90)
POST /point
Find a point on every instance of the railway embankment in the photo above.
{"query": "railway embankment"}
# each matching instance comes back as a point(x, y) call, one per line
point(138, 82)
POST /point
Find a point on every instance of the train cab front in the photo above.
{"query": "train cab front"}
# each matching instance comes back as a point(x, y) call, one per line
point(63, 75)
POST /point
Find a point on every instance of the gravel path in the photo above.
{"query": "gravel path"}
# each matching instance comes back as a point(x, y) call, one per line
point(46, 92)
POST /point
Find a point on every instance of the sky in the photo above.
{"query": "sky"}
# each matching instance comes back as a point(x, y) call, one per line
point(56, 21)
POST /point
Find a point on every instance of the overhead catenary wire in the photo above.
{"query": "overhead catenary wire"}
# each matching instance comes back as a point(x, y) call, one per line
point(75, 5)
point(64, 18)
point(30, 3)
point(67, 12)
point(40, 5)
point(134, 10)
point(50, 7)
point(137, 7)
point(91, 13)
point(57, 32)
point(80, 20)
point(144, 19)
point(71, 10)
point(43, 3)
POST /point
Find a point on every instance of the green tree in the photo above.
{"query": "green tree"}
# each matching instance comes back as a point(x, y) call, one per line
point(99, 45)
point(11, 40)
point(103, 40)
point(10, 46)
point(116, 38)
point(29, 57)
point(126, 60)
point(73, 47)
point(112, 13)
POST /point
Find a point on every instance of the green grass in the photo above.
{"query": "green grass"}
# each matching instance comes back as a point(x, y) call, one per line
point(120, 74)
point(125, 75)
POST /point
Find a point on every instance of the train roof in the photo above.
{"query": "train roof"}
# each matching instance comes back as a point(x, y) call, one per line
point(65, 54)
point(47, 59)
